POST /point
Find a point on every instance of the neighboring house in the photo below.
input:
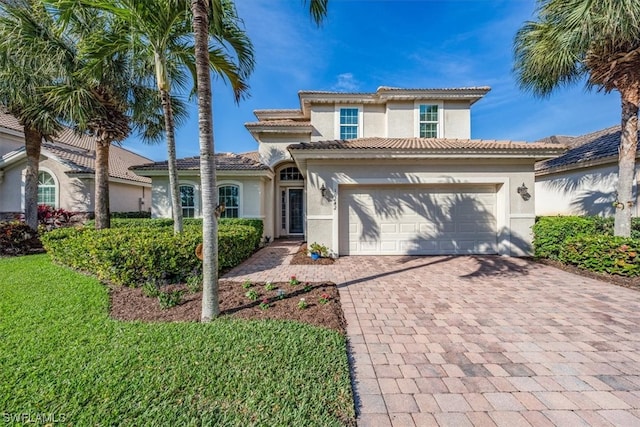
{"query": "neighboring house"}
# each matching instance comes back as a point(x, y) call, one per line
point(392, 172)
point(67, 173)
point(583, 180)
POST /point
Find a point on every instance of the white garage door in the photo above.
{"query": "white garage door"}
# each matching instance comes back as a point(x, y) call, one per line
point(417, 220)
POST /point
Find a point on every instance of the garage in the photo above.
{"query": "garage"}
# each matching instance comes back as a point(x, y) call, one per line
point(417, 219)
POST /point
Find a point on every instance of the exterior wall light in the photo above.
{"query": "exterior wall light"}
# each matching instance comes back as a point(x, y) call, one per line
point(523, 191)
point(326, 194)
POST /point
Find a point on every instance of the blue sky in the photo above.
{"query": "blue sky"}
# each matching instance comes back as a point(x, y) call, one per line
point(364, 44)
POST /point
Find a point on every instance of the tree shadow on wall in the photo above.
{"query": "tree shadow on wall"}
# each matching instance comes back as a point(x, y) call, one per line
point(586, 194)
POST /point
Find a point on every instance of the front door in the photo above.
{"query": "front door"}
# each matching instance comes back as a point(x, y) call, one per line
point(293, 210)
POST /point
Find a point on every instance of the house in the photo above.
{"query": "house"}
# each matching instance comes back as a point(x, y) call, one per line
point(66, 177)
point(389, 172)
point(582, 181)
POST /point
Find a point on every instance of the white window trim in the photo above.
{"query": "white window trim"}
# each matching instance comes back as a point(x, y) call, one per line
point(197, 202)
point(416, 117)
point(238, 184)
point(55, 180)
point(337, 109)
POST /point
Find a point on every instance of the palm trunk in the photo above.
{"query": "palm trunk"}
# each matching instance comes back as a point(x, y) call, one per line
point(627, 160)
point(33, 143)
point(176, 206)
point(210, 306)
point(102, 214)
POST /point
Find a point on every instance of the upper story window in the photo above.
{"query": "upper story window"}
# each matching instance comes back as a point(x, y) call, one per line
point(229, 196)
point(47, 189)
point(428, 121)
point(188, 201)
point(348, 123)
point(290, 174)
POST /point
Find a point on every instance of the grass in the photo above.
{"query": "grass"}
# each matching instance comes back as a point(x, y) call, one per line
point(63, 355)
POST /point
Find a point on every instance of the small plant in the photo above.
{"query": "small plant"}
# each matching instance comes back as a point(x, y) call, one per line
point(280, 293)
point(247, 284)
point(302, 304)
point(170, 299)
point(293, 281)
point(307, 287)
point(264, 305)
point(269, 286)
point(324, 298)
point(150, 289)
point(252, 295)
point(320, 250)
point(194, 283)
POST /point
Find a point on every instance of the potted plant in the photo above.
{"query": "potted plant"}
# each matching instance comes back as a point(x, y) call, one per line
point(317, 250)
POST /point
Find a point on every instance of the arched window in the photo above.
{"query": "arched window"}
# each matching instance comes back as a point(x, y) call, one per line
point(290, 174)
point(188, 201)
point(46, 189)
point(229, 195)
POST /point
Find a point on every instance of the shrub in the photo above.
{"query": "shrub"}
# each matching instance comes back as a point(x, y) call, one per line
point(168, 299)
point(131, 255)
point(607, 254)
point(133, 214)
point(549, 233)
point(51, 218)
point(17, 238)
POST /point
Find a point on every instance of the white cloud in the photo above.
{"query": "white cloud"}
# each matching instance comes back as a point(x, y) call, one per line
point(346, 83)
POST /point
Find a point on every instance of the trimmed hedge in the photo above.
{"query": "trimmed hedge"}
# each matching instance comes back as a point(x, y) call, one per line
point(607, 254)
point(550, 233)
point(133, 254)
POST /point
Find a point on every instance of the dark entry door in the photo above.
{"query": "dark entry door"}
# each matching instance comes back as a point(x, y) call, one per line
point(296, 220)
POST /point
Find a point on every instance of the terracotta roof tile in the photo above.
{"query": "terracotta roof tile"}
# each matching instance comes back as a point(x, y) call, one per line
point(592, 146)
point(77, 151)
point(279, 123)
point(224, 161)
point(408, 144)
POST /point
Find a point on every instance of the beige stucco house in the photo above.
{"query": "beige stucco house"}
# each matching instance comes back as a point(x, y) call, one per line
point(66, 178)
point(390, 172)
point(583, 180)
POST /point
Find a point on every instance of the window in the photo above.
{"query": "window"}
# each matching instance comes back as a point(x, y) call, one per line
point(228, 195)
point(348, 123)
point(290, 174)
point(428, 121)
point(46, 189)
point(188, 201)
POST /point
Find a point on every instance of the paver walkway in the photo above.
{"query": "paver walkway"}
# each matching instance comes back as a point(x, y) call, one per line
point(481, 340)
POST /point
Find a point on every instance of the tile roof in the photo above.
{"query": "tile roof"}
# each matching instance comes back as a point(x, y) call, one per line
point(397, 89)
point(77, 152)
point(428, 144)
point(224, 161)
point(592, 146)
point(279, 123)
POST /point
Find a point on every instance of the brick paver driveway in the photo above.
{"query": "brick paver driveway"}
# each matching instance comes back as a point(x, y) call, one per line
point(457, 341)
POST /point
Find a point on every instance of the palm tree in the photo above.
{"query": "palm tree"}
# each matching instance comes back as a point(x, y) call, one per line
point(22, 74)
point(162, 29)
point(214, 14)
point(600, 40)
point(95, 93)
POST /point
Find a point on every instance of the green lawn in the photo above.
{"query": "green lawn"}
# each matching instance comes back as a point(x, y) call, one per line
point(61, 354)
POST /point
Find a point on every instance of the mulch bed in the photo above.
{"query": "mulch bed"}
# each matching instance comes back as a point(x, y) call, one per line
point(302, 258)
point(627, 282)
point(131, 304)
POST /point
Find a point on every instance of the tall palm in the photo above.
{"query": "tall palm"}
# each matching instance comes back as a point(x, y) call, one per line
point(600, 40)
point(22, 74)
point(163, 35)
point(215, 14)
point(98, 94)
